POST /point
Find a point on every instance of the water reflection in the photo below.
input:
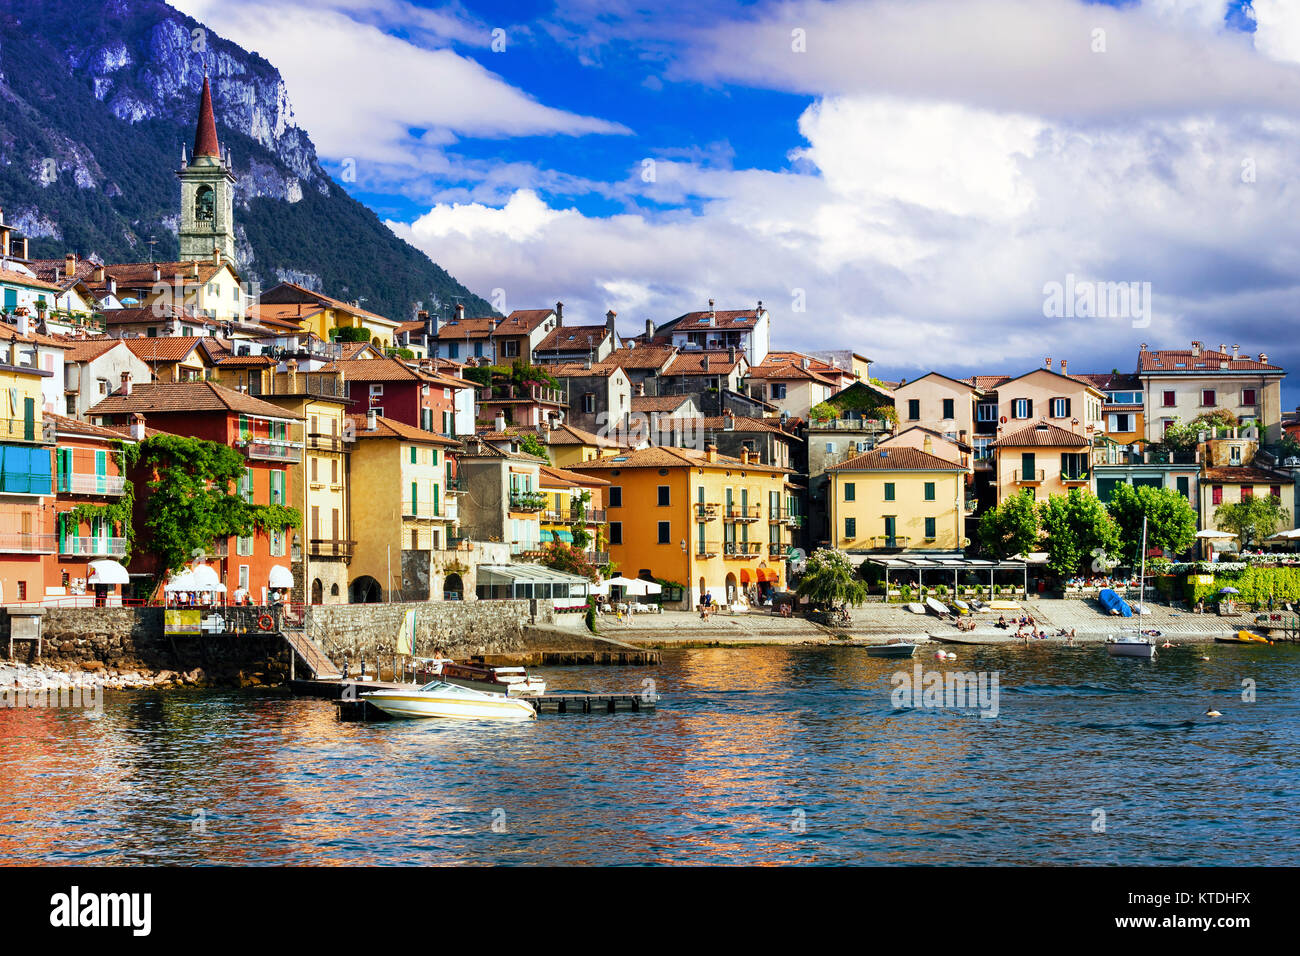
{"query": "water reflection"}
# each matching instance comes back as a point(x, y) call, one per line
point(772, 755)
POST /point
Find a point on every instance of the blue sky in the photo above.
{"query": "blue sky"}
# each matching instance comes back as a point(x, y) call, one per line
point(914, 177)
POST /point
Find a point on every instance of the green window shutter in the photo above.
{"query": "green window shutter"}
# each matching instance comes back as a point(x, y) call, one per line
point(413, 454)
point(929, 528)
point(433, 456)
point(435, 499)
point(929, 491)
point(415, 498)
point(889, 491)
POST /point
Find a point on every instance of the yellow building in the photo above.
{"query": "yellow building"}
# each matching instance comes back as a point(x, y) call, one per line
point(208, 287)
point(26, 525)
point(1044, 458)
point(404, 517)
point(573, 499)
point(318, 477)
point(318, 313)
point(897, 498)
point(707, 522)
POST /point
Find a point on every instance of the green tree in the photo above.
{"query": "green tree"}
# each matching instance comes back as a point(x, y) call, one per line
point(531, 444)
point(349, 333)
point(829, 579)
point(1171, 519)
point(1075, 525)
point(191, 500)
point(1252, 520)
point(561, 556)
point(1011, 528)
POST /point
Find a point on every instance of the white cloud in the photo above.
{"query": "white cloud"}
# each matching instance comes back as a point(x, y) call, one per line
point(1030, 56)
point(360, 92)
point(1277, 28)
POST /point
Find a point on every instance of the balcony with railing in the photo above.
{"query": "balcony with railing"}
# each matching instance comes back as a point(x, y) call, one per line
point(794, 521)
point(743, 513)
point(706, 511)
point(742, 550)
point(76, 483)
point(1074, 477)
point(22, 429)
point(890, 542)
point(426, 511)
point(871, 425)
point(1118, 455)
point(707, 549)
point(310, 384)
point(454, 486)
point(267, 449)
point(1031, 477)
point(330, 548)
point(327, 441)
point(528, 501)
point(19, 543)
point(510, 394)
point(778, 549)
point(86, 547)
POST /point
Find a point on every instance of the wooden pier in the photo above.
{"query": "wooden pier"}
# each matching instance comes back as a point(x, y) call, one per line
point(346, 695)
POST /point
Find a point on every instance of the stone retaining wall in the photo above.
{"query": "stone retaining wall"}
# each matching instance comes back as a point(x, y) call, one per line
point(442, 628)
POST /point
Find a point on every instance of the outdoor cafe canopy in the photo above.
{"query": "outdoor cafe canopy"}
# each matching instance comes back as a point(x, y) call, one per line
point(949, 565)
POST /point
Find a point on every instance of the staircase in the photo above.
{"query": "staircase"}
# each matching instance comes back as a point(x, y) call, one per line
point(311, 654)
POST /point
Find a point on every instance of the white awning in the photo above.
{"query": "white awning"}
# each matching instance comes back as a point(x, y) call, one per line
point(107, 572)
point(280, 577)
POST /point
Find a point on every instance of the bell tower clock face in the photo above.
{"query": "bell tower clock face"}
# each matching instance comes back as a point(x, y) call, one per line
point(205, 204)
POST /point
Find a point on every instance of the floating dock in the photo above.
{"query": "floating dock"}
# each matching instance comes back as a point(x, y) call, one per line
point(346, 695)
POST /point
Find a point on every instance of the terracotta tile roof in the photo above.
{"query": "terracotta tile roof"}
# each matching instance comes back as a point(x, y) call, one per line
point(457, 329)
point(291, 293)
point(172, 348)
point(1182, 361)
point(552, 477)
point(390, 428)
point(659, 403)
point(73, 426)
point(966, 382)
point(139, 275)
point(929, 431)
point(173, 397)
point(902, 458)
point(732, 319)
point(988, 382)
point(741, 423)
point(1246, 474)
point(244, 361)
point(692, 363)
point(290, 314)
point(20, 278)
point(1041, 435)
point(580, 370)
point(10, 334)
point(641, 357)
point(523, 321)
point(664, 456)
point(55, 270)
point(570, 338)
point(566, 434)
point(373, 370)
point(147, 313)
point(87, 350)
point(477, 446)
point(790, 371)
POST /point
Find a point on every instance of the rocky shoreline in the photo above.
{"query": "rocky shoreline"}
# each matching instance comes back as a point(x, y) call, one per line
point(93, 674)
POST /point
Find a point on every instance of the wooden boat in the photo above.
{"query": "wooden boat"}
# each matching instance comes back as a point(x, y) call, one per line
point(957, 637)
point(440, 699)
point(937, 607)
point(900, 649)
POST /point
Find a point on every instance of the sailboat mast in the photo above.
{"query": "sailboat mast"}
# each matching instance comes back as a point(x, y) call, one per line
point(1142, 580)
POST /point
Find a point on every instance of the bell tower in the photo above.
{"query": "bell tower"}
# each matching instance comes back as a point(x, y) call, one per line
point(207, 192)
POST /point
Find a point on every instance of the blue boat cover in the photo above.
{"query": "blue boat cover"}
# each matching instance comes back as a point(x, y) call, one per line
point(1113, 602)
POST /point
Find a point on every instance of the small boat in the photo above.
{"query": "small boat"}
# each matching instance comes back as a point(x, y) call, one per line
point(1113, 603)
point(937, 607)
point(1130, 645)
point(961, 606)
point(1001, 606)
point(891, 650)
point(440, 699)
point(1243, 637)
point(915, 608)
point(511, 681)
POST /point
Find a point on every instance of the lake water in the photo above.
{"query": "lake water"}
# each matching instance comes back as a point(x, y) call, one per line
point(763, 755)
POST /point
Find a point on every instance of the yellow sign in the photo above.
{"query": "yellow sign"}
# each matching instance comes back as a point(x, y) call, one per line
point(181, 621)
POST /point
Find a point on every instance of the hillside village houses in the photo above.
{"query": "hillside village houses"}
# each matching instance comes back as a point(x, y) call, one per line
point(443, 457)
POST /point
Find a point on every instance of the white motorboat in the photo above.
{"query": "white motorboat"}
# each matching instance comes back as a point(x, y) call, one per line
point(1131, 645)
point(511, 681)
point(441, 699)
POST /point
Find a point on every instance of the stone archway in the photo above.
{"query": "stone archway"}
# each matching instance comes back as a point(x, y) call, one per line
point(317, 592)
point(731, 588)
point(453, 588)
point(366, 590)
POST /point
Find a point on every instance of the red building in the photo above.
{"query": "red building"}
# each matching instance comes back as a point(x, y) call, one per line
point(396, 391)
point(89, 482)
point(270, 440)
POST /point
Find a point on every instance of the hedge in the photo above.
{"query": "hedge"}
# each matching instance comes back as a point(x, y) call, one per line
point(1256, 585)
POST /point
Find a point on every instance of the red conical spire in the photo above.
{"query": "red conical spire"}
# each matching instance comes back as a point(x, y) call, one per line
point(205, 137)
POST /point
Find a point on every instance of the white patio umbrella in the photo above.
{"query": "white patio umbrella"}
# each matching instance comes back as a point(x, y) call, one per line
point(601, 588)
point(631, 586)
point(181, 581)
point(205, 578)
point(1293, 533)
point(1212, 533)
point(280, 577)
point(107, 572)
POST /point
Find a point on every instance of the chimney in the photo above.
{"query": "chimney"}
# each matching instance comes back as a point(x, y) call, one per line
point(1263, 358)
point(292, 366)
point(137, 425)
point(744, 456)
point(704, 363)
point(649, 329)
point(216, 256)
point(559, 313)
point(1142, 347)
point(1062, 366)
point(731, 354)
point(1047, 362)
point(710, 452)
point(499, 423)
point(728, 420)
point(70, 265)
point(24, 323)
point(1196, 349)
point(112, 286)
point(1223, 348)
point(712, 312)
point(372, 420)
point(1235, 350)
point(609, 322)
point(157, 273)
point(194, 269)
point(98, 274)
point(126, 383)
point(927, 445)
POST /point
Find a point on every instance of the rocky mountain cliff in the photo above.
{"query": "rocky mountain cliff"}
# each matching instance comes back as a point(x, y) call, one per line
point(97, 98)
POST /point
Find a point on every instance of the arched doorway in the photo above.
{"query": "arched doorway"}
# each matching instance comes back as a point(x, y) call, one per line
point(366, 590)
point(453, 589)
point(334, 590)
point(731, 588)
point(317, 591)
point(703, 590)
